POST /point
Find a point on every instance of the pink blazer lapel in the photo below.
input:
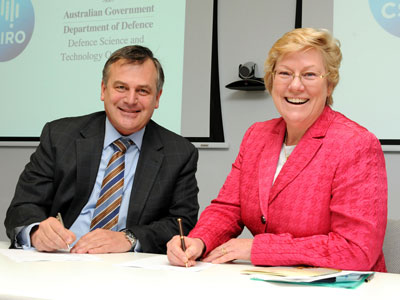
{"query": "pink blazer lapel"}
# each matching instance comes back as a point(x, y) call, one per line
point(298, 160)
point(268, 162)
point(304, 152)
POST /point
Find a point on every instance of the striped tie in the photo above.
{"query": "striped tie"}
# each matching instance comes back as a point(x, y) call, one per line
point(107, 206)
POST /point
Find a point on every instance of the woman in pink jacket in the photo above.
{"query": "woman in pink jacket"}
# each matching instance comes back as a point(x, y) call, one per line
point(310, 186)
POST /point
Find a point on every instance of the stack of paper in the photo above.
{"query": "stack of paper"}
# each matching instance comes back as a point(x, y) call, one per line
point(309, 275)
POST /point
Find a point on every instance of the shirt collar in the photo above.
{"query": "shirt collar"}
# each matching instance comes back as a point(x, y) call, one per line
point(112, 134)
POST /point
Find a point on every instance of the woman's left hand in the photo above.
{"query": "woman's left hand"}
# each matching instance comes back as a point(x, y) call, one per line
point(231, 250)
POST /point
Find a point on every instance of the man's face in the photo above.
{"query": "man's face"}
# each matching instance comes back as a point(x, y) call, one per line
point(130, 95)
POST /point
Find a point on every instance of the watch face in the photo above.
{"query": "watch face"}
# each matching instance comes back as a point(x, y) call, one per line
point(130, 236)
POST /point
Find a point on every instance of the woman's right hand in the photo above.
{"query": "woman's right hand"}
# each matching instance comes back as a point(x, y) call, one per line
point(178, 257)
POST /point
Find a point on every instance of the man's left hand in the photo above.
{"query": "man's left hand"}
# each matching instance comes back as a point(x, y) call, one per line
point(102, 241)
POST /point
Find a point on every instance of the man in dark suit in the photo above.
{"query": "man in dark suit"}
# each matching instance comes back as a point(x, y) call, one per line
point(66, 171)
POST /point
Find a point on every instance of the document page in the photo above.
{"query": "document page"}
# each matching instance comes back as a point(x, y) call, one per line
point(160, 262)
point(19, 255)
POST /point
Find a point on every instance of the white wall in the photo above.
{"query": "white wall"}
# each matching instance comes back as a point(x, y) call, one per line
point(247, 29)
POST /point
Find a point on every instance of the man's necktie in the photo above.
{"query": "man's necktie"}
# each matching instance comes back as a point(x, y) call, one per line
point(107, 207)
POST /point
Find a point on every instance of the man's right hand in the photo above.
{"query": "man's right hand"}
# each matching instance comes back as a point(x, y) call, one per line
point(51, 235)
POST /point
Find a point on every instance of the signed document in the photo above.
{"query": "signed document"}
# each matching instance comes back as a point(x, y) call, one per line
point(160, 262)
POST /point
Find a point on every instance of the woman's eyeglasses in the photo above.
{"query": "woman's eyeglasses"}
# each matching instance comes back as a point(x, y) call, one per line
point(306, 78)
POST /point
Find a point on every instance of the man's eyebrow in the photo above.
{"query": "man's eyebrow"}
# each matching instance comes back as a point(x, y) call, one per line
point(139, 86)
point(119, 82)
point(144, 86)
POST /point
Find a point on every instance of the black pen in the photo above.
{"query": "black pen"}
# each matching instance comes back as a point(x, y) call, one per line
point(59, 218)
point(182, 237)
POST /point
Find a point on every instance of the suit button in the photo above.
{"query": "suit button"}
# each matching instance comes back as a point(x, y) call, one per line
point(263, 220)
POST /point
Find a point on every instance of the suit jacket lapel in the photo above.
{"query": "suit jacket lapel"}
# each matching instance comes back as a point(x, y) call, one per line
point(88, 153)
point(304, 152)
point(149, 164)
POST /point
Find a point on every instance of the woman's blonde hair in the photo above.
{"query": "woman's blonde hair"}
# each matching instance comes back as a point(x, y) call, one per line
point(302, 39)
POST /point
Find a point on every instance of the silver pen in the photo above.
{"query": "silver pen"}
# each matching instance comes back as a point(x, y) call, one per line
point(59, 218)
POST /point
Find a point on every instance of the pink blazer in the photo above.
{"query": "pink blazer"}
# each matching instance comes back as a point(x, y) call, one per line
point(327, 207)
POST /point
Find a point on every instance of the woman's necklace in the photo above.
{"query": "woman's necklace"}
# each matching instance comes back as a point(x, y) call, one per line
point(284, 150)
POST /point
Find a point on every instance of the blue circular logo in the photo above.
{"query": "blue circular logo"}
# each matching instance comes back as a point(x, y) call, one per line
point(387, 14)
point(17, 20)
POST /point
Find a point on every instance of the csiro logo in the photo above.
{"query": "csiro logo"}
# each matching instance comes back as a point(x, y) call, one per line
point(17, 20)
point(387, 14)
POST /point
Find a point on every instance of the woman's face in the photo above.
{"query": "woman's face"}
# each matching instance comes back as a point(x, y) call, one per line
point(300, 100)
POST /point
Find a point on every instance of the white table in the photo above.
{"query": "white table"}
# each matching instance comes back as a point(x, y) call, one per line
point(104, 280)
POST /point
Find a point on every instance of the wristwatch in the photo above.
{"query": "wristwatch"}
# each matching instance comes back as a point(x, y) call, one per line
point(130, 237)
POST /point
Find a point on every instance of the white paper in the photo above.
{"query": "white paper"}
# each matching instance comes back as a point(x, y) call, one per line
point(19, 255)
point(160, 262)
